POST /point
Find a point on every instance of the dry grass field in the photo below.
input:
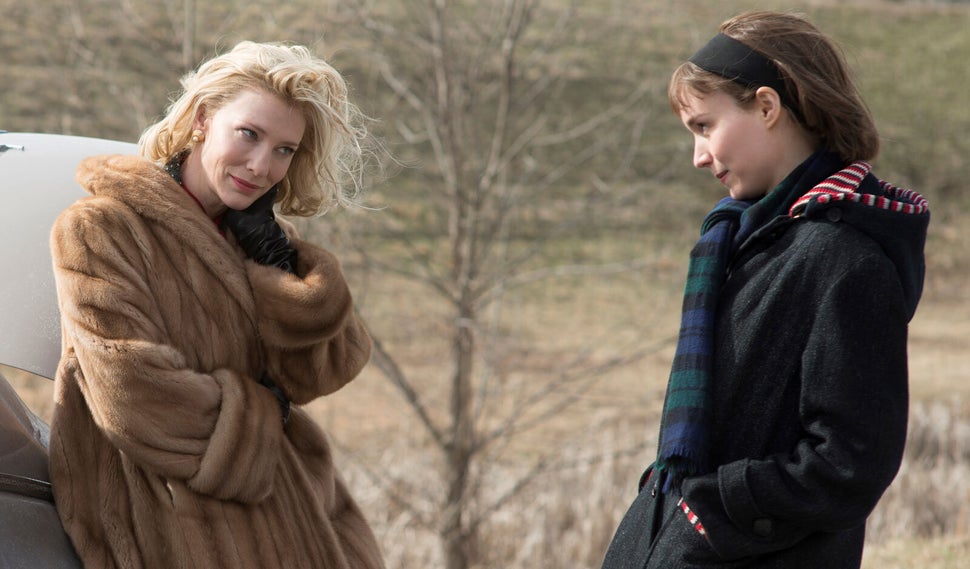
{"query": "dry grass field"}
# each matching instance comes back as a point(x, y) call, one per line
point(567, 517)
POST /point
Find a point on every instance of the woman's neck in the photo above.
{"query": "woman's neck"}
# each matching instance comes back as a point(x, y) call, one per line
point(196, 184)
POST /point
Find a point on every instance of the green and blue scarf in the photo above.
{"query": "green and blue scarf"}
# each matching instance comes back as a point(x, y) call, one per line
point(684, 432)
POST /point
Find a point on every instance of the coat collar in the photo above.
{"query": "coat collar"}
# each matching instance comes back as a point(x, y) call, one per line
point(148, 190)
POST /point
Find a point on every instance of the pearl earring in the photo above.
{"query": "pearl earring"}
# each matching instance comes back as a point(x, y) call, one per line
point(198, 136)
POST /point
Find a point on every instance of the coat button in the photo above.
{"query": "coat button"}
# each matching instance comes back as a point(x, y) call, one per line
point(762, 527)
point(834, 214)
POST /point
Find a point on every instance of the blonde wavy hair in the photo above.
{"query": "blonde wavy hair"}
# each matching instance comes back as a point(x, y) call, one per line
point(326, 169)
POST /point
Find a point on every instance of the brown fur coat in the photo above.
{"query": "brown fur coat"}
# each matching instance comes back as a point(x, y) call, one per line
point(165, 451)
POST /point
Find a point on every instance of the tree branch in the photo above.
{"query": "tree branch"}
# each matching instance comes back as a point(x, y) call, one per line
point(389, 367)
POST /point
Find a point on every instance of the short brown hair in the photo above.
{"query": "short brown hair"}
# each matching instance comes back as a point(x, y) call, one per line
point(815, 73)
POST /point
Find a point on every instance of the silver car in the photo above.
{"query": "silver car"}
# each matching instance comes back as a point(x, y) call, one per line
point(36, 184)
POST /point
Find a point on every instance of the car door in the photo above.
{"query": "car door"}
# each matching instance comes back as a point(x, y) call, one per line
point(36, 184)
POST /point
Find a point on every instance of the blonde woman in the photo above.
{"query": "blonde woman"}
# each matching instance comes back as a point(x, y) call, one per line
point(195, 323)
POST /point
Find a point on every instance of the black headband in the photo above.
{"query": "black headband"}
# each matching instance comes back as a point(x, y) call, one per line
point(731, 59)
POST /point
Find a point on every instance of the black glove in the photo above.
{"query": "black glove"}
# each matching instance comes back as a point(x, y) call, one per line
point(284, 402)
point(259, 235)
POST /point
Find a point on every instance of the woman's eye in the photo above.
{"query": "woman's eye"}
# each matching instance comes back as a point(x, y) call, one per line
point(287, 151)
point(248, 133)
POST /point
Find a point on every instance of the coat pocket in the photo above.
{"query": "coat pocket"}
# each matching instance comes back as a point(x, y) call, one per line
point(681, 541)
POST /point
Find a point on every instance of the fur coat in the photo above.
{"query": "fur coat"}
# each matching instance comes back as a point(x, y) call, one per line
point(165, 450)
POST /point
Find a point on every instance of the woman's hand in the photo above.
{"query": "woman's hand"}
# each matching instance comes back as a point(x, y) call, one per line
point(259, 235)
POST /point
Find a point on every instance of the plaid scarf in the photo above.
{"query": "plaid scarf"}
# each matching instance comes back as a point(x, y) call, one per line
point(684, 448)
point(684, 432)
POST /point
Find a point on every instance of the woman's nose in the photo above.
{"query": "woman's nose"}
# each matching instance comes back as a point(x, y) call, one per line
point(702, 155)
point(259, 162)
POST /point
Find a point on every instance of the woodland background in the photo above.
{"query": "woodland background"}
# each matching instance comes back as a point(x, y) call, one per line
point(521, 254)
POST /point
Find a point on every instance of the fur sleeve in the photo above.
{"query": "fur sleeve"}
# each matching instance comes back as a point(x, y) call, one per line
point(315, 342)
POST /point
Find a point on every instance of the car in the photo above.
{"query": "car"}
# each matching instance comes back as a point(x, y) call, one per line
point(37, 174)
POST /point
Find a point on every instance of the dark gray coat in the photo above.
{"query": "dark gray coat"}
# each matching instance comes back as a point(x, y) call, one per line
point(810, 397)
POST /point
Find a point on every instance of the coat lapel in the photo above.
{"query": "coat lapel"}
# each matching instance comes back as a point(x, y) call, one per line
point(148, 190)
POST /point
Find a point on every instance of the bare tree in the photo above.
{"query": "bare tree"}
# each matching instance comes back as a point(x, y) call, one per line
point(481, 95)
point(483, 88)
point(188, 35)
